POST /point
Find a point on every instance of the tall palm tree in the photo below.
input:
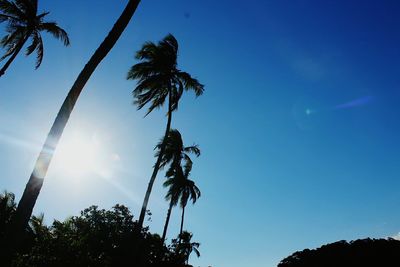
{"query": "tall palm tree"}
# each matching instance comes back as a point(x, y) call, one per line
point(174, 153)
point(23, 23)
point(159, 78)
point(32, 189)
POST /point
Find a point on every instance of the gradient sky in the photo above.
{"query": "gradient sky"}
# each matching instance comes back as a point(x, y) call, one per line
point(298, 125)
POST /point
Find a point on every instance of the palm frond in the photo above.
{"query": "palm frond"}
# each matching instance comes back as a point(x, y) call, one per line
point(4, 17)
point(157, 102)
point(34, 44)
point(39, 51)
point(24, 5)
point(56, 31)
point(142, 71)
point(10, 8)
point(7, 201)
point(151, 83)
point(11, 39)
point(190, 83)
point(151, 91)
point(147, 51)
point(193, 149)
point(188, 165)
point(196, 251)
point(170, 43)
point(194, 192)
point(8, 53)
point(29, 7)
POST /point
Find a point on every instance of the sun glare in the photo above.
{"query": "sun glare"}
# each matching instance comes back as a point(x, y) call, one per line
point(78, 155)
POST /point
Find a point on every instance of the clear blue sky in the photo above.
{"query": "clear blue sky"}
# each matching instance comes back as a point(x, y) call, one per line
point(298, 125)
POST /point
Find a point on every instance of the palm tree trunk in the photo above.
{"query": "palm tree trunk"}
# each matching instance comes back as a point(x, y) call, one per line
point(167, 222)
point(156, 166)
point(32, 190)
point(14, 54)
point(183, 217)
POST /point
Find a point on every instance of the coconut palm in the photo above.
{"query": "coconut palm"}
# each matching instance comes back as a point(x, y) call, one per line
point(24, 23)
point(158, 79)
point(34, 185)
point(185, 247)
point(181, 187)
point(174, 153)
point(189, 190)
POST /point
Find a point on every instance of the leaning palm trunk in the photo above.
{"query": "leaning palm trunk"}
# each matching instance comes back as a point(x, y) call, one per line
point(32, 190)
point(171, 204)
point(157, 165)
point(13, 56)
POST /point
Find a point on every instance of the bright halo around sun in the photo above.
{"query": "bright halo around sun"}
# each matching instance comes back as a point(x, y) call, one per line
point(78, 155)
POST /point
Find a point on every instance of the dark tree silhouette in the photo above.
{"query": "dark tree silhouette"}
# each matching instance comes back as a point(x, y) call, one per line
point(182, 187)
point(364, 252)
point(159, 78)
point(7, 210)
point(32, 190)
point(174, 153)
point(97, 237)
point(184, 247)
point(24, 23)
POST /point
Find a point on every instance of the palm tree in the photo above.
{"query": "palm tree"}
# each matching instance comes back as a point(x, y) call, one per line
point(159, 78)
point(32, 189)
point(188, 192)
point(186, 247)
point(174, 153)
point(23, 23)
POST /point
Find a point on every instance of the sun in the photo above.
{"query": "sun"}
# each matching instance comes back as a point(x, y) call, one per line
point(78, 155)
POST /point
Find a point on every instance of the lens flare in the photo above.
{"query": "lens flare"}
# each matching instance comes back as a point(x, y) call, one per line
point(355, 103)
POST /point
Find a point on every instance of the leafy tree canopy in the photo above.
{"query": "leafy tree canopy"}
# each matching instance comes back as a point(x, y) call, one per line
point(362, 252)
point(97, 237)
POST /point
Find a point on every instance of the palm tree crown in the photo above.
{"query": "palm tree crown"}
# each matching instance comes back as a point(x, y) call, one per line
point(158, 75)
point(175, 151)
point(185, 247)
point(180, 186)
point(23, 23)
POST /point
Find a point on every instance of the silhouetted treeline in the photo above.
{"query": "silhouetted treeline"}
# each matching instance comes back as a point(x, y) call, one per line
point(96, 238)
point(363, 252)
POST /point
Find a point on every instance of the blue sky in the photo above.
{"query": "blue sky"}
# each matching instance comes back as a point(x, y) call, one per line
point(298, 125)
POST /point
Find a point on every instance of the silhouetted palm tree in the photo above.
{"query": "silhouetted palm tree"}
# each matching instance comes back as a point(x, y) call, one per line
point(189, 190)
point(159, 78)
point(174, 153)
point(186, 247)
point(23, 23)
point(32, 189)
